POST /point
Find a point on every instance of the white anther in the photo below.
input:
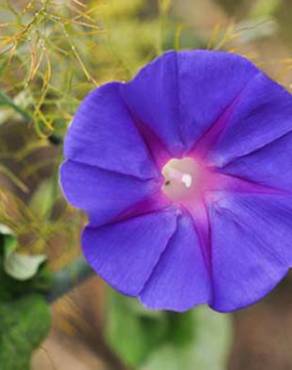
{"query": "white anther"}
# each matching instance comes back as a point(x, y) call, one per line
point(187, 180)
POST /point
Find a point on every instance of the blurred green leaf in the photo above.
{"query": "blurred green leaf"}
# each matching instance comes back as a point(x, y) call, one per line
point(181, 328)
point(24, 314)
point(8, 239)
point(251, 30)
point(42, 200)
point(207, 351)
point(260, 22)
point(24, 323)
point(119, 9)
point(21, 266)
point(133, 333)
point(264, 8)
point(5, 230)
point(18, 266)
point(155, 340)
point(10, 288)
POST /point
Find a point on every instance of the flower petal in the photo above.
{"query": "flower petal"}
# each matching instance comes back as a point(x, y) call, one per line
point(180, 95)
point(180, 279)
point(262, 114)
point(209, 84)
point(251, 247)
point(103, 134)
point(102, 194)
point(152, 98)
point(270, 166)
point(125, 253)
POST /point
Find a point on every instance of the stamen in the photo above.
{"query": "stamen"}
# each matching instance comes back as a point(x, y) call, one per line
point(187, 180)
point(181, 179)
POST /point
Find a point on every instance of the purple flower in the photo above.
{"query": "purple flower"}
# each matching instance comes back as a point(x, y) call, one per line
point(185, 173)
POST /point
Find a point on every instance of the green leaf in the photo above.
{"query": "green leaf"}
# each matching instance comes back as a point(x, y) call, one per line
point(17, 265)
point(24, 323)
point(181, 328)
point(144, 337)
point(22, 266)
point(264, 8)
point(10, 288)
point(5, 230)
point(251, 30)
point(7, 239)
point(208, 350)
point(132, 331)
point(42, 200)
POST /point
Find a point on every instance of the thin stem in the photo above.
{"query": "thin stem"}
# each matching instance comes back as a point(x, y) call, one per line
point(6, 100)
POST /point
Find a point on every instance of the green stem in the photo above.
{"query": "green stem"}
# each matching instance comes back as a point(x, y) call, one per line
point(6, 100)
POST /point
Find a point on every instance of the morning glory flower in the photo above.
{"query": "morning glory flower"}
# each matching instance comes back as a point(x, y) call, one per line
point(185, 173)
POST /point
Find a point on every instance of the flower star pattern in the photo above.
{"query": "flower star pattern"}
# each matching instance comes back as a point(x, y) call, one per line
point(185, 173)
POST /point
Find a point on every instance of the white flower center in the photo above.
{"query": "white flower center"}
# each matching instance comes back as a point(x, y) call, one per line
point(181, 179)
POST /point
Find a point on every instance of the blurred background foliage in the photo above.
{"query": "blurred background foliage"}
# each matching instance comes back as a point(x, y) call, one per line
point(52, 53)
